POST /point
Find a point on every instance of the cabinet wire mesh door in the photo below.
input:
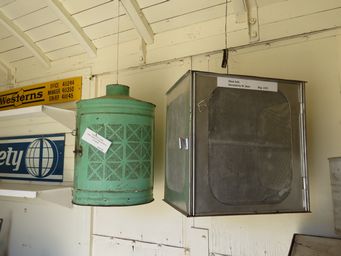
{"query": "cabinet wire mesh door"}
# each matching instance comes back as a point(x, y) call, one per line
point(235, 145)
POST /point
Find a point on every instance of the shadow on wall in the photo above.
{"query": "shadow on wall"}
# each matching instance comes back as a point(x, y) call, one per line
point(4, 235)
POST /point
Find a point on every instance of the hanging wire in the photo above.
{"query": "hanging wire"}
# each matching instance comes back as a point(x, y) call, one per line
point(224, 63)
point(225, 24)
point(118, 38)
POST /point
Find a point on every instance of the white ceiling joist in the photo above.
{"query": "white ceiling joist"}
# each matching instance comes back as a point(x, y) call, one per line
point(25, 39)
point(139, 20)
point(7, 76)
point(239, 6)
point(74, 27)
point(5, 67)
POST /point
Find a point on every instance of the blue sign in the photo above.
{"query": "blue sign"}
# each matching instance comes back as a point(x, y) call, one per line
point(36, 157)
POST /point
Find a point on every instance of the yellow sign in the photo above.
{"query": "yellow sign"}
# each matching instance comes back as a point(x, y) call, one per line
point(42, 94)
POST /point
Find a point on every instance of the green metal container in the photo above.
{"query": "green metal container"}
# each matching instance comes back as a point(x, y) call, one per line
point(124, 174)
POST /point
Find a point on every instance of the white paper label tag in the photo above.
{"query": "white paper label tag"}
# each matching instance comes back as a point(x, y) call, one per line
point(239, 83)
point(96, 140)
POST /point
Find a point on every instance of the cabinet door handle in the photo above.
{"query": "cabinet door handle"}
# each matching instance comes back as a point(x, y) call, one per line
point(183, 143)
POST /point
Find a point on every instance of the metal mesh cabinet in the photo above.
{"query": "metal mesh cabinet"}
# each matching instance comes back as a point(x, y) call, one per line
point(235, 145)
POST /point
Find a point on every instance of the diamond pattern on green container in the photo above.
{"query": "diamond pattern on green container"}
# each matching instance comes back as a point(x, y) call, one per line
point(129, 156)
point(115, 132)
point(113, 176)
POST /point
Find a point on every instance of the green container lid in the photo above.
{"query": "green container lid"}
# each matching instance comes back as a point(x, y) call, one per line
point(117, 90)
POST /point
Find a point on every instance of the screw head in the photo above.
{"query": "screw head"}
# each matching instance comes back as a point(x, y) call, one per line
point(252, 21)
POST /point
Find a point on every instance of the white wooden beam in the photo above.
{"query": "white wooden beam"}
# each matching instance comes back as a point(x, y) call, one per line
point(24, 39)
point(4, 66)
point(253, 21)
point(74, 27)
point(250, 9)
point(238, 6)
point(7, 76)
point(5, 2)
point(139, 20)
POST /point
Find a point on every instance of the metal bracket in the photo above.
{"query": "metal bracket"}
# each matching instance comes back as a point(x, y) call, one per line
point(142, 52)
point(253, 24)
point(247, 9)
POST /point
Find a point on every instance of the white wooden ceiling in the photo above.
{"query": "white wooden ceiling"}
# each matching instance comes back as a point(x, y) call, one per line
point(49, 30)
point(98, 19)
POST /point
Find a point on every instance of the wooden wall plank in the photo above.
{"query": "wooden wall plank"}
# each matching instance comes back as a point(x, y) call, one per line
point(171, 8)
point(169, 225)
point(49, 30)
point(302, 24)
point(9, 43)
point(75, 6)
point(16, 54)
point(5, 2)
point(57, 42)
point(36, 19)
point(288, 9)
point(19, 8)
point(147, 3)
point(4, 32)
point(261, 3)
point(98, 14)
point(196, 32)
point(108, 27)
point(199, 37)
point(66, 52)
point(110, 40)
point(188, 19)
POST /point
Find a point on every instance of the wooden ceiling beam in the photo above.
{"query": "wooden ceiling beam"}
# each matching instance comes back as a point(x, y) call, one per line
point(24, 39)
point(139, 20)
point(73, 26)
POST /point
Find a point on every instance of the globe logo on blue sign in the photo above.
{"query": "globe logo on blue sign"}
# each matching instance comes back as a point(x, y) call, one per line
point(41, 157)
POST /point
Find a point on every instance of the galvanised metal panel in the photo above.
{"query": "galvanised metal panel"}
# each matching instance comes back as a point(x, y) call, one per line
point(246, 145)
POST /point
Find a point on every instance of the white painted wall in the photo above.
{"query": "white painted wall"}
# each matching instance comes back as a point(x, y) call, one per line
point(314, 61)
point(156, 228)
